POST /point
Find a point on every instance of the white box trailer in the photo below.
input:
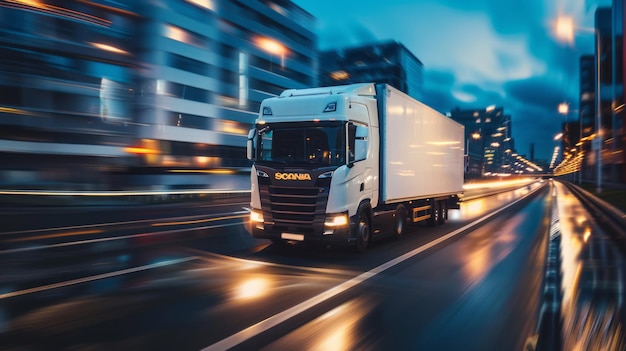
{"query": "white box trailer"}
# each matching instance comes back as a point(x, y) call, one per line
point(421, 150)
point(349, 164)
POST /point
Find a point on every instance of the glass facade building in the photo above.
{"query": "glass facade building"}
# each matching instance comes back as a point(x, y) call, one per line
point(67, 78)
point(386, 62)
point(206, 71)
point(144, 86)
point(489, 145)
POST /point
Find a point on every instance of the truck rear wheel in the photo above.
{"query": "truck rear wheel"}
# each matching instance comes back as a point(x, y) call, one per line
point(443, 212)
point(362, 231)
point(435, 213)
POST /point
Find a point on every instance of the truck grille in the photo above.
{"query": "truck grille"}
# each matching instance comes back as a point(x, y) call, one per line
point(294, 208)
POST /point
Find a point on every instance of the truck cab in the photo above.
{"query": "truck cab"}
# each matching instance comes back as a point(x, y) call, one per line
point(315, 154)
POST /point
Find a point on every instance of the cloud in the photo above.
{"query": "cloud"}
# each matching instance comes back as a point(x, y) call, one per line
point(537, 92)
point(531, 125)
point(437, 86)
point(344, 34)
point(477, 53)
point(533, 104)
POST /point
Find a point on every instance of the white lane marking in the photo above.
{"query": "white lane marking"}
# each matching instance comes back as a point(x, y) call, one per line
point(270, 322)
point(56, 229)
point(122, 192)
point(92, 241)
point(213, 255)
point(95, 277)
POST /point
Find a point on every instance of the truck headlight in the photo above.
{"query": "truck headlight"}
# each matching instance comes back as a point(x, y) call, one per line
point(256, 218)
point(336, 220)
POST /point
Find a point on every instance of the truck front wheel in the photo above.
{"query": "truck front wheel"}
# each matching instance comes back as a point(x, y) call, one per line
point(362, 231)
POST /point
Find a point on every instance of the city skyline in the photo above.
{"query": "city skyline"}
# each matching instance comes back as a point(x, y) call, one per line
point(490, 53)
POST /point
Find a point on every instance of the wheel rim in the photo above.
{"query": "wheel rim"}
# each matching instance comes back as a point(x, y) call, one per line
point(363, 231)
point(442, 217)
point(399, 225)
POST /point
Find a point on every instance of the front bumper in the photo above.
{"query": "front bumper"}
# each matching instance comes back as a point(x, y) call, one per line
point(313, 234)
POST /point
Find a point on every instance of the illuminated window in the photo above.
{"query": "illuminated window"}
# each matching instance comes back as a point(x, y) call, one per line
point(176, 33)
point(110, 48)
point(184, 36)
point(231, 127)
point(339, 75)
point(207, 4)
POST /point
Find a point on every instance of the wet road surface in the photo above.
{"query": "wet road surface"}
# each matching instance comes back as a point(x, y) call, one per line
point(468, 284)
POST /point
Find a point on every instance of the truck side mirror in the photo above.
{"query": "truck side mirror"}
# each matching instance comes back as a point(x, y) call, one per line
point(250, 149)
point(360, 152)
point(360, 143)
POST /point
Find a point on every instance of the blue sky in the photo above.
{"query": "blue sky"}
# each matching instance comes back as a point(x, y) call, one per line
point(477, 53)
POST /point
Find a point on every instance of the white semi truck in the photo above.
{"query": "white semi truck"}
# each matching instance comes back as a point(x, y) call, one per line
point(349, 164)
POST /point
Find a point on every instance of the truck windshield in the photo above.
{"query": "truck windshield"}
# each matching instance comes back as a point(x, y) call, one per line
point(316, 144)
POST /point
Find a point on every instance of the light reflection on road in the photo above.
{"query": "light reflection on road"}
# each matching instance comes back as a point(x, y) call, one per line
point(341, 328)
point(592, 281)
point(484, 249)
point(480, 206)
point(246, 291)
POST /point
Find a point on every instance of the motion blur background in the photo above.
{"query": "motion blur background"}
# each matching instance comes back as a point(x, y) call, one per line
point(139, 94)
point(160, 95)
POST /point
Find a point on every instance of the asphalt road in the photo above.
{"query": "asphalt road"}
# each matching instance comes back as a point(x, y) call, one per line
point(189, 277)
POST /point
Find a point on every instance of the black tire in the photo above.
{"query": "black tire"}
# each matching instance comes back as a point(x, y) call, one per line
point(362, 231)
point(399, 223)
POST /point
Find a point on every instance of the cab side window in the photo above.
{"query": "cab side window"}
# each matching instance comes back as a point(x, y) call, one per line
point(357, 142)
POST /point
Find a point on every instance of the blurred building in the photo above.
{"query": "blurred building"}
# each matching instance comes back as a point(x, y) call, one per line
point(587, 111)
point(571, 155)
point(206, 69)
point(67, 78)
point(604, 27)
point(490, 149)
point(571, 135)
point(617, 159)
point(601, 115)
point(386, 62)
point(148, 86)
point(587, 102)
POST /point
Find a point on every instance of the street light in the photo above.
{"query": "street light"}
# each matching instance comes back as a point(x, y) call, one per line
point(475, 136)
point(565, 31)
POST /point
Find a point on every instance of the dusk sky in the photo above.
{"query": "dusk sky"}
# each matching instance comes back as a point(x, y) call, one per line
point(477, 53)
